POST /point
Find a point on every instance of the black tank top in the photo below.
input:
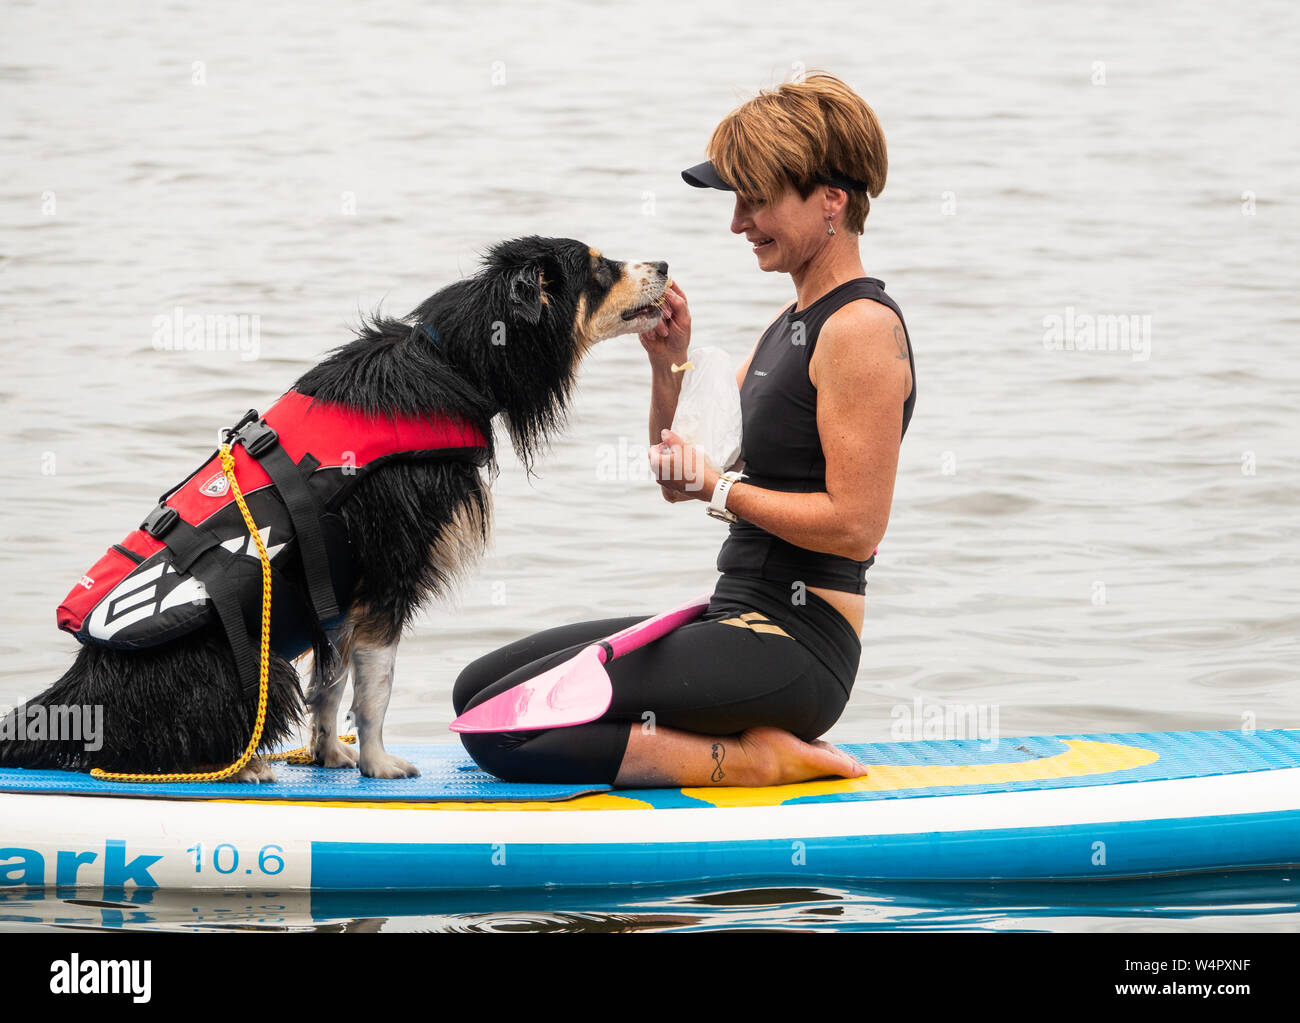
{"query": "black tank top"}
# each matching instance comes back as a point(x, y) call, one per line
point(782, 449)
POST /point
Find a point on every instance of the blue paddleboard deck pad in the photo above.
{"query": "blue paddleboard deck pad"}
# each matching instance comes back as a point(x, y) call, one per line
point(906, 770)
point(1087, 806)
point(446, 774)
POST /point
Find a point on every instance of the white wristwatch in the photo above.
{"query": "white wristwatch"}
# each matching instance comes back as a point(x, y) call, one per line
point(718, 505)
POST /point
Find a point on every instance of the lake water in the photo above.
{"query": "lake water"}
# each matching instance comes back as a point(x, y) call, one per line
point(1081, 540)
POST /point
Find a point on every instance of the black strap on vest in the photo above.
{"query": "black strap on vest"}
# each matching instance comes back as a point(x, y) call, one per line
point(211, 570)
point(197, 551)
point(305, 512)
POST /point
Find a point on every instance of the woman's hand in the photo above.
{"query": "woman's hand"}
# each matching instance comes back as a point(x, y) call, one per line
point(668, 341)
point(681, 469)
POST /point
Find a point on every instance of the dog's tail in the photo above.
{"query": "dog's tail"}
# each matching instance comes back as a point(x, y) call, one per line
point(178, 706)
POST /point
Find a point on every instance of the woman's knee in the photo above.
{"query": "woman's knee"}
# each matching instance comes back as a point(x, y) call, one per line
point(489, 751)
point(578, 755)
point(508, 757)
point(473, 679)
point(827, 710)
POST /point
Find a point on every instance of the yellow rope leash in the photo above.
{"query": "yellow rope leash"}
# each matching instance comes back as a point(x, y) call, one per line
point(228, 466)
point(303, 754)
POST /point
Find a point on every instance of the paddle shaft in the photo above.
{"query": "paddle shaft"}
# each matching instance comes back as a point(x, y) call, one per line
point(642, 633)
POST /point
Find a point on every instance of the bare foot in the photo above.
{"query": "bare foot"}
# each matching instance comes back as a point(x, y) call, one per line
point(778, 757)
point(668, 757)
point(857, 768)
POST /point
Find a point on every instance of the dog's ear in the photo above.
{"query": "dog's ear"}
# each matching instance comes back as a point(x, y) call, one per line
point(525, 290)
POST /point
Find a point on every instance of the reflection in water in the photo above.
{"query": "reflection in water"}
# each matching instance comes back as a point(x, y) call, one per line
point(1246, 900)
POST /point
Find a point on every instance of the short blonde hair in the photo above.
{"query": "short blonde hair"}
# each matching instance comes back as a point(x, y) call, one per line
point(798, 132)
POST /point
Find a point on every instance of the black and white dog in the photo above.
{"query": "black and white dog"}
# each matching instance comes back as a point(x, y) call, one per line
point(413, 525)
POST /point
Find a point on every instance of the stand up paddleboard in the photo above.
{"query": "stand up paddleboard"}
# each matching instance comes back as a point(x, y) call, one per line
point(1055, 807)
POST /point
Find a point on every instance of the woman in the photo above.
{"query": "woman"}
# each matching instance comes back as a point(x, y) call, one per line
point(740, 696)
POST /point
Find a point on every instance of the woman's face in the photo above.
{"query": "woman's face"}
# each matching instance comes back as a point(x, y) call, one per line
point(785, 234)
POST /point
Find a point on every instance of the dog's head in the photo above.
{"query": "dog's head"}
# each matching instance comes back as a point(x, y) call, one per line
point(519, 327)
point(566, 285)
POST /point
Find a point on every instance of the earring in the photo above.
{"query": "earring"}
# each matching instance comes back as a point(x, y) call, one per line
point(830, 228)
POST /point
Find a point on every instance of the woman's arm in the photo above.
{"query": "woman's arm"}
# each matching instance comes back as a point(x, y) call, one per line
point(861, 386)
point(665, 389)
point(666, 343)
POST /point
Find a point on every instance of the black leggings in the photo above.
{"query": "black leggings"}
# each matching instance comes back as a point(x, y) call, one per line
point(737, 667)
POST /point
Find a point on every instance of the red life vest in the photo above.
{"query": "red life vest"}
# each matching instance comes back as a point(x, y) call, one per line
point(193, 555)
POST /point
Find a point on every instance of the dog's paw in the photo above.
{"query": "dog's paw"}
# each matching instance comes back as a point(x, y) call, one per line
point(329, 752)
point(385, 765)
point(257, 771)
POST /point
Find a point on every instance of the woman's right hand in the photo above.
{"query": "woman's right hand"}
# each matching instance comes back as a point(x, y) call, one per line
point(668, 341)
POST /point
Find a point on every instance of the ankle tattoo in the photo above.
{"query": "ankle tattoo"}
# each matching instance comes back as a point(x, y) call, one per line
point(719, 753)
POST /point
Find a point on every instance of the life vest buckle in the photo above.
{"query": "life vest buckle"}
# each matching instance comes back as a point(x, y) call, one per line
point(256, 436)
point(160, 520)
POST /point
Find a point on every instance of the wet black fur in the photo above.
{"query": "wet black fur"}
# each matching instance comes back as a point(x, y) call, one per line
point(173, 707)
point(394, 517)
point(527, 376)
point(181, 705)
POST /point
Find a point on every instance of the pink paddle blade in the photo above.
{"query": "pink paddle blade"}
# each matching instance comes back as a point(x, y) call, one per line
point(576, 691)
point(571, 693)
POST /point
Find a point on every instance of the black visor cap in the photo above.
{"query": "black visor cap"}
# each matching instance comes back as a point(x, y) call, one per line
point(705, 175)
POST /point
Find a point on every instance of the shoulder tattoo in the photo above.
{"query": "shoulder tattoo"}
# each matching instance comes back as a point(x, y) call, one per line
point(901, 339)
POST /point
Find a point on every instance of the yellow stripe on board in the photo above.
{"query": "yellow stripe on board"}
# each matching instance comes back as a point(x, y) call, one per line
point(1084, 757)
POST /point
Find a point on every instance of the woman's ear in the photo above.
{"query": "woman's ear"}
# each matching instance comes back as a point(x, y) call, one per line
point(833, 201)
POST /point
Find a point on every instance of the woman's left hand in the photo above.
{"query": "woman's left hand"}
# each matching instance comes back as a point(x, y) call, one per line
point(682, 468)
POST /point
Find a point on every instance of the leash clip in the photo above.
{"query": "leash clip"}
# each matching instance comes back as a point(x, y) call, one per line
point(251, 416)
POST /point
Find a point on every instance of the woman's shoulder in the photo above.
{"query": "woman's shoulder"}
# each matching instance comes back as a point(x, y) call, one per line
point(865, 333)
point(860, 304)
point(864, 318)
point(866, 308)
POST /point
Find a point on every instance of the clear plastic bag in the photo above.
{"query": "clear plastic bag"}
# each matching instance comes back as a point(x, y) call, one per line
point(708, 408)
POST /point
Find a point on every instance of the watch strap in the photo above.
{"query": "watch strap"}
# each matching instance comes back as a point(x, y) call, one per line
point(718, 503)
